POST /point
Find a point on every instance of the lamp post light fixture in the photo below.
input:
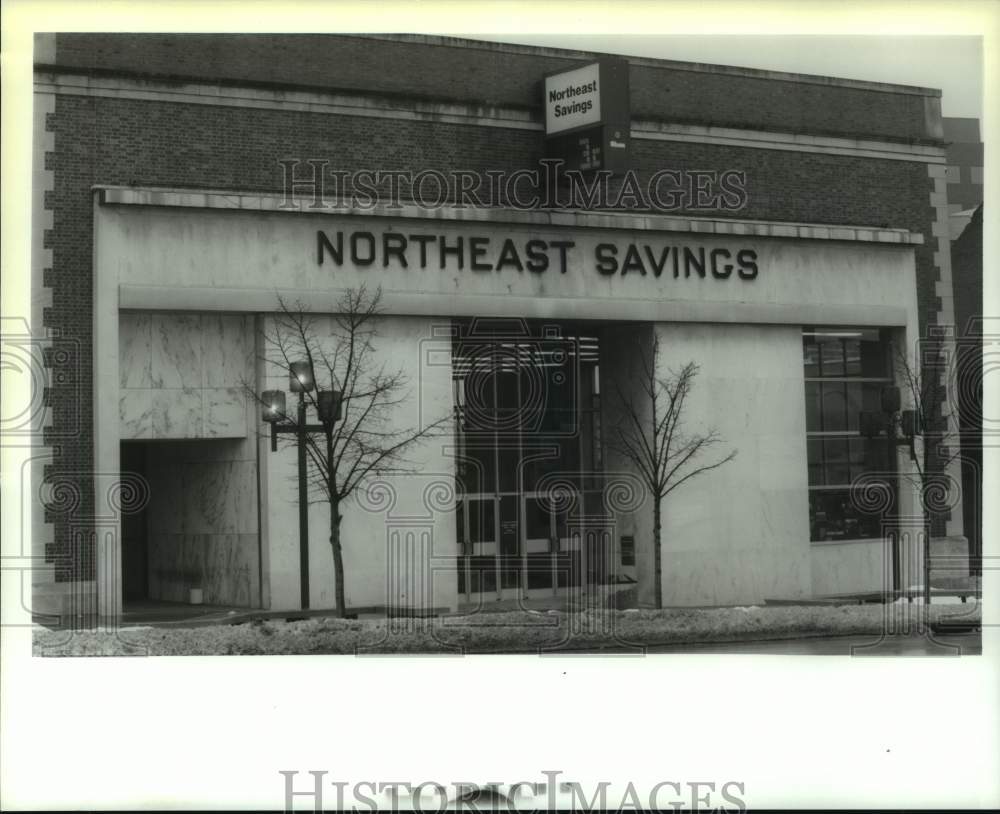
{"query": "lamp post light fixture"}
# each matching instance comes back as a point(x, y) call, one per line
point(273, 405)
point(300, 378)
point(328, 405)
point(900, 426)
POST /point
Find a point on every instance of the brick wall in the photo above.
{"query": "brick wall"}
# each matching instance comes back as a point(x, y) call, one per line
point(489, 74)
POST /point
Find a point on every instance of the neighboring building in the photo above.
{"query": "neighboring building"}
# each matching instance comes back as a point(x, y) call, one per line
point(964, 151)
point(163, 237)
point(973, 328)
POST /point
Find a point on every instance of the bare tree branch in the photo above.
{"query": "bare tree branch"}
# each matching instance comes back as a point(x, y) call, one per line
point(363, 442)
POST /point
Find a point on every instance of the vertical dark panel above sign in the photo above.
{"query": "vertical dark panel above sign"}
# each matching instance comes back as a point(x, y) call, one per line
point(588, 116)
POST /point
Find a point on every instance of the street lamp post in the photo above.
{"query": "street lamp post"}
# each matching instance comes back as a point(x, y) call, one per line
point(302, 381)
point(901, 428)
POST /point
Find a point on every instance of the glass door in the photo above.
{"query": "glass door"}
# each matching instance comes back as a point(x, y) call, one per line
point(528, 457)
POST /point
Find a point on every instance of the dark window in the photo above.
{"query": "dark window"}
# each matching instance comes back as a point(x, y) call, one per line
point(845, 370)
point(537, 519)
point(628, 549)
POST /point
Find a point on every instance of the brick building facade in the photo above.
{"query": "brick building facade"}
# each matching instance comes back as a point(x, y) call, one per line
point(219, 112)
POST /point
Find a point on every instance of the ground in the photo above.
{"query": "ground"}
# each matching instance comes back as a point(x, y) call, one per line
point(595, 629)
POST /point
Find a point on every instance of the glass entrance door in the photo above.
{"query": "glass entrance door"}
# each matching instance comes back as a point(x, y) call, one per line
point(528, 455)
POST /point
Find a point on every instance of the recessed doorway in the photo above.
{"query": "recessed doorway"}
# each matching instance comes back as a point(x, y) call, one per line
point(529, 462)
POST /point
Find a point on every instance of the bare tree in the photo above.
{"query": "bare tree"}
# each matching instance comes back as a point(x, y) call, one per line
point(651, 435)
point(363, 443)
point(927, 379)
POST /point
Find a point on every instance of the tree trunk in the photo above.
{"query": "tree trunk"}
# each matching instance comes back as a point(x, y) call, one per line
point(657, 556)
point(338, 556)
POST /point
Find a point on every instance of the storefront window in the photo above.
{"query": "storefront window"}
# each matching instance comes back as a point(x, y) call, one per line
point(845, 370)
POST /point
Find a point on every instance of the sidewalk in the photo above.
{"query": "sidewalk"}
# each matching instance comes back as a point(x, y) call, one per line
point(595, 630)
point(967, 644)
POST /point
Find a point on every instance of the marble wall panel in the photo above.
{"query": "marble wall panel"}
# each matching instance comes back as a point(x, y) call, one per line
point(230, 569)
point(135, 414)
point(177, 413)
point(245, 497)
point(135, 350)
point(197, 507)
point(188, 372)
point(220, 497)
point(174, 566)
point(202, 522)
point(224, 566)
point(209, 497)
point(176, 341)
point(224, 412)
point(227, 350)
